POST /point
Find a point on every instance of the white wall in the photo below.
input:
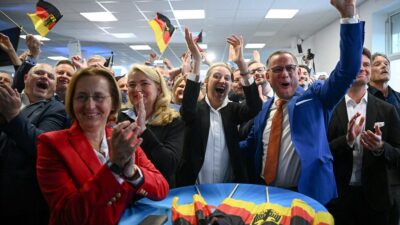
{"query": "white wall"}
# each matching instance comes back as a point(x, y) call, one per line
point(325, 43)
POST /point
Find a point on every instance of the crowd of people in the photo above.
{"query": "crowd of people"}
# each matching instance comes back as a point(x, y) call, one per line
point(79, 145)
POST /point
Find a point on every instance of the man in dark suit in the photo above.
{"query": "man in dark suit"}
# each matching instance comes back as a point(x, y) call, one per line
point(26, 115)
point(302, 160)
point(363, 137)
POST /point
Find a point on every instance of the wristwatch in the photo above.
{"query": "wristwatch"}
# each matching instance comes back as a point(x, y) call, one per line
point(114, 168)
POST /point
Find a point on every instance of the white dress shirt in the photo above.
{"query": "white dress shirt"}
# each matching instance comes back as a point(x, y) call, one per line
point(352, 108)
point(216, 167)
point(288, 170)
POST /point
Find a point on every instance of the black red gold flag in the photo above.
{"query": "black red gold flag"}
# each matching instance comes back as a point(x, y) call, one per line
point(163, 30)
point(195, 213)
point(45, 17)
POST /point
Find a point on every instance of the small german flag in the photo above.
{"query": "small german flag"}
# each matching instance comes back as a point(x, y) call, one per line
point(163, 30)
point(198, 39)
point(46, 16)
point(195, 213)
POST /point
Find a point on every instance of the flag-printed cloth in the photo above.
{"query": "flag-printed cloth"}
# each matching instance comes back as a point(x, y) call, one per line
point(199, 39)
point(238, 212)
point(45, 18)
point(163, 30)
point(193, 213)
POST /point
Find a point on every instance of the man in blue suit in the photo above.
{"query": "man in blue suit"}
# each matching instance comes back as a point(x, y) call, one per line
point(304, 161)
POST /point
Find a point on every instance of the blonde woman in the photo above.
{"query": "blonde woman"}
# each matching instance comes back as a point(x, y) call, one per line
point(162, 129)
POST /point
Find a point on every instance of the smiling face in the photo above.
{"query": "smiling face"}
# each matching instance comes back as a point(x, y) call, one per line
point(92, 102)
point(365, 72)
point(258, 71)
point(380, 69)
point(64, 73)
point(40, 83)
point(218, 85)
point(138, 82)
point(283, 75)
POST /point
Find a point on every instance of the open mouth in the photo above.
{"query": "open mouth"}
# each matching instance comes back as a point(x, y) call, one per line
point(42, 85)
point(285, 84)
point(220, 90)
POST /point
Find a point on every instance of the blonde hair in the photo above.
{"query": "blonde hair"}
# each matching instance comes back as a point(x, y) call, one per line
point(93, 71)
point(177, 81)
point(162, 114)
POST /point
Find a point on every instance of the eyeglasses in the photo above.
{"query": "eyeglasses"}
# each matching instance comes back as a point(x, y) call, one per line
point(257, 70)
point(279, 69)
point(83, 98)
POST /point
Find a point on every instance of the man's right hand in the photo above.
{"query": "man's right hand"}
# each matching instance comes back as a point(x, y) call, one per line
point(354, 129)
point(346, 8)
point(33, 45)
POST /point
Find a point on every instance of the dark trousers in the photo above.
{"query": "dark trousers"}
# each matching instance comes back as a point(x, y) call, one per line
point(354, 209)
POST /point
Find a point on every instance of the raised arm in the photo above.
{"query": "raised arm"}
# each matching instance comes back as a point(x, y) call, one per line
point(192, 89)
point(351, 44)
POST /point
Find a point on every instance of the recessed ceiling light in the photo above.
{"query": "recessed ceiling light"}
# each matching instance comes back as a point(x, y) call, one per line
point(281, 13)
point(99, 16)
point(189, 14)
point(123, 35)
point(57, 58)
point(254, 45)
point(140, 47)
point(203, 46)
point(40, 38)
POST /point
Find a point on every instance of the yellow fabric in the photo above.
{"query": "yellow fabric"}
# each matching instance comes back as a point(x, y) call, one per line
point(38, 23)
point(187, 209)
point(159, 35)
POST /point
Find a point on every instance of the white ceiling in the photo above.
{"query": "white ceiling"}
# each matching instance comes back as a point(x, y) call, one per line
point(223, 18)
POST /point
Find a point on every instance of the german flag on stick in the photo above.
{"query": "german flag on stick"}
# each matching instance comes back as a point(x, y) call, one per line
point(163, 30)
point(195, 213)
point(45, 18)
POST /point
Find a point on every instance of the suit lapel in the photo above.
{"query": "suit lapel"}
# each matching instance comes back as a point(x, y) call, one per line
point(205, 123)
point(83, 148)
point(371, 114)
point(342, 115)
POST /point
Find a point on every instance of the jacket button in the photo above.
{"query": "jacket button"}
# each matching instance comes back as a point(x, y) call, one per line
point(118, 195)
point(109, 203)
point(113, 199)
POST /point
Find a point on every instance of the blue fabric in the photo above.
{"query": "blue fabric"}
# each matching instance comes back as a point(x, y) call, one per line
point(213, 194)
point(309, 114)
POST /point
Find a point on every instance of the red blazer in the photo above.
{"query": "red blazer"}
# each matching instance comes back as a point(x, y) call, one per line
point(78, 189)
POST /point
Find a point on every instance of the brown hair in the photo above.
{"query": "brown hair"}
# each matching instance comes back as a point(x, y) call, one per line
point(93, 71)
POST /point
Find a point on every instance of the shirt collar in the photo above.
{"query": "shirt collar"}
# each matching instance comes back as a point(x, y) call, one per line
point(24, 100)
point(226, 101)
point(350, 100)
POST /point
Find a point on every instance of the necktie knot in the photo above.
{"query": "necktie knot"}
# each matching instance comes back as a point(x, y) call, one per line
point(280, 102)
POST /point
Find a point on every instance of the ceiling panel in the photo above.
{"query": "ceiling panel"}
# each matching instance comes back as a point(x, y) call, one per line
point(223, 18)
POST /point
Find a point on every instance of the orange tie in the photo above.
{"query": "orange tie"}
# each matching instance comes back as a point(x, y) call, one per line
point(271, 162)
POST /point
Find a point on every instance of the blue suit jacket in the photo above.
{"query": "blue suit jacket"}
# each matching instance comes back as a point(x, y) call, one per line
point(309, 114)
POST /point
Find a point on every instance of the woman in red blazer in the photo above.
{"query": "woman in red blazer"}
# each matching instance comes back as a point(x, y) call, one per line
point(90, 173)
